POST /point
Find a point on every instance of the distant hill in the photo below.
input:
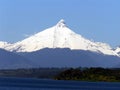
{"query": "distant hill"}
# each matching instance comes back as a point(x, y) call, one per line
point(10, 60)
point(70, 58)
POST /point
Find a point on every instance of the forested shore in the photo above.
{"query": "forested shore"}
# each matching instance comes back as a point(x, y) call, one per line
point(79, 74)
point(90, 74)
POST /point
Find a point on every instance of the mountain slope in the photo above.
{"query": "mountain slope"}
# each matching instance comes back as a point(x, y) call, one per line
point(117, 50)
point(65, 57)
point(4, 44)
point(9, 60)
point(59, 36)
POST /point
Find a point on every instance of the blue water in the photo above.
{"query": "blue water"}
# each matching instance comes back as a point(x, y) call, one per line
point(38, 84)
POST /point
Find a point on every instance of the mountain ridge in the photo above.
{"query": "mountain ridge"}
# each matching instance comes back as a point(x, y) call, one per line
point(65, 57)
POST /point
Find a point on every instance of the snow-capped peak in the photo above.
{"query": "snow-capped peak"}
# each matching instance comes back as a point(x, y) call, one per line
point(59, 36)
point(61, 23)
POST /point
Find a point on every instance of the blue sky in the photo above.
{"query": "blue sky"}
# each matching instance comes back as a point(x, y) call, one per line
point(98, 20)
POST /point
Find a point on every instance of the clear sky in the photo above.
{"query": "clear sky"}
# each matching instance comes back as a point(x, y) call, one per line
point(98, 20)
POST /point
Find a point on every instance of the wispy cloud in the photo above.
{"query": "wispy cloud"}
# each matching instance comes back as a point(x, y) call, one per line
point(26, 35)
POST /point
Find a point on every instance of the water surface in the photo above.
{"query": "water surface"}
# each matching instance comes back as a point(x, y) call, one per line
point(42, 84)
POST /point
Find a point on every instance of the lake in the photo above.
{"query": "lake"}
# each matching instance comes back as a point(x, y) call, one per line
point(45, 84)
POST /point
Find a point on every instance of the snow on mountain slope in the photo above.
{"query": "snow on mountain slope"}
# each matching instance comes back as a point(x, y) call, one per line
point(117, 50)
point(59, 36)
point(3, 44)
